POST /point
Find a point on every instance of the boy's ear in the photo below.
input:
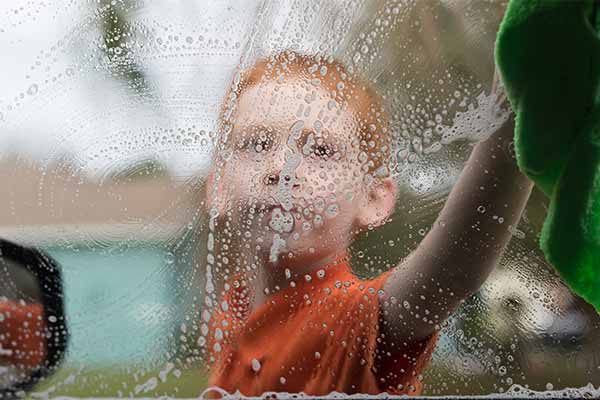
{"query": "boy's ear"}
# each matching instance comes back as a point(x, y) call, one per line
point(379, 205)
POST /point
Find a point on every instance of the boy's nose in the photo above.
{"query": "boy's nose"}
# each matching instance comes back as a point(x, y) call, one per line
point(271, 178)
point(275, 170)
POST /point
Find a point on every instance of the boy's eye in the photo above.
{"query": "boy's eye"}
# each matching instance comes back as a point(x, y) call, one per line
point(256, 143)
point(323, 150)
point(262, 144)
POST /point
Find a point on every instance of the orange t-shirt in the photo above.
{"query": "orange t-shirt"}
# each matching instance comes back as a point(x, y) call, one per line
point(316, 336)
point(22, 334)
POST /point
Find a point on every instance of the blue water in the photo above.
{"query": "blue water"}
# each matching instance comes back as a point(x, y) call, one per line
point(118, 302)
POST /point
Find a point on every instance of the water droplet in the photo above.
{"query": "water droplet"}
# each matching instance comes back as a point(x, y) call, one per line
point(332, 210)
point(204, 329)
point(255, 365)
point(33, 89)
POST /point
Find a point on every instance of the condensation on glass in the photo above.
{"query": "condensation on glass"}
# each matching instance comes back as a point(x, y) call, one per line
point(138, 153)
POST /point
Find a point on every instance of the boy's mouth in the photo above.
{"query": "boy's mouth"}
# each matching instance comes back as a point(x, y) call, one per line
point(281, 221)
point(275, 216)
point(269, 208)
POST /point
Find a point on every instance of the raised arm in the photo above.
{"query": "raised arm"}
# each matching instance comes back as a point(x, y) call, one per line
point(465, 243)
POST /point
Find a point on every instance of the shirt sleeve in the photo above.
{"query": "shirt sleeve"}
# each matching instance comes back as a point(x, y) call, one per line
point(400, 371)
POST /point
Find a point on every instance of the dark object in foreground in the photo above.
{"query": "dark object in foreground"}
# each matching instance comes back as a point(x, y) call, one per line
point(33, 331)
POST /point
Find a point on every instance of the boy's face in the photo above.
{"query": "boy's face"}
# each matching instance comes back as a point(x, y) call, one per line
point(293, 182)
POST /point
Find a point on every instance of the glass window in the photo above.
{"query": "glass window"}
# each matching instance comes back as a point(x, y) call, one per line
point(247, 197)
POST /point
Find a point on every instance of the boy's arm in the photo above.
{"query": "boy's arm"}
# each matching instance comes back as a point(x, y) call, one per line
point(465, 243)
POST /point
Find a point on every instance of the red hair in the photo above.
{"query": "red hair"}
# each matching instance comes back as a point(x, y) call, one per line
point(347, 89)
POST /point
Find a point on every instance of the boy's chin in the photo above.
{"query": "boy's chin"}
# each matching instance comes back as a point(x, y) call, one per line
point(291, 247)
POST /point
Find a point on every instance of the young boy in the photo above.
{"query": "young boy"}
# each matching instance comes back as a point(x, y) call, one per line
point(305, 160)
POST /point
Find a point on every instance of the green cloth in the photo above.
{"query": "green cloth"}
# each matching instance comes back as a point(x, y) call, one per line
point(548, 53)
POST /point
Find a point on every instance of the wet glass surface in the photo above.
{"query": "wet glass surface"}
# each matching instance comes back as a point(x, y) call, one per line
point(185, 165)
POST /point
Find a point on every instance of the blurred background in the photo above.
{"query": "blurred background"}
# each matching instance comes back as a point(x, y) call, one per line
point(108, 116)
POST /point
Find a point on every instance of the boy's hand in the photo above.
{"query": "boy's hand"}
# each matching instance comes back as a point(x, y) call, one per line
point(499, 92)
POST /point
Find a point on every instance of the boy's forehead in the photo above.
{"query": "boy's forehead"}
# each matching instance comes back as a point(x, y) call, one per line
point(278, 106)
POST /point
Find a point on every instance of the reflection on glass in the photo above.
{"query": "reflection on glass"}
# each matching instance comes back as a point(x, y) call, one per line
point(22, 328)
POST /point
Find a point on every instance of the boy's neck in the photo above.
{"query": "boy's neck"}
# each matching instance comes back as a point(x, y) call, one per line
point(275, 276)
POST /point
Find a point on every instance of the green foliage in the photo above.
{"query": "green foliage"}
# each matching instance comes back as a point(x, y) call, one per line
point(121, 381)
point(117, 39)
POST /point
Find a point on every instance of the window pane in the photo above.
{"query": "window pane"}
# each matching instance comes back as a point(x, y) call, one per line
point(225, 186)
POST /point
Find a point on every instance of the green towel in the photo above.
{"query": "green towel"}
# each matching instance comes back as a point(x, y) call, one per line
point(548, 53)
